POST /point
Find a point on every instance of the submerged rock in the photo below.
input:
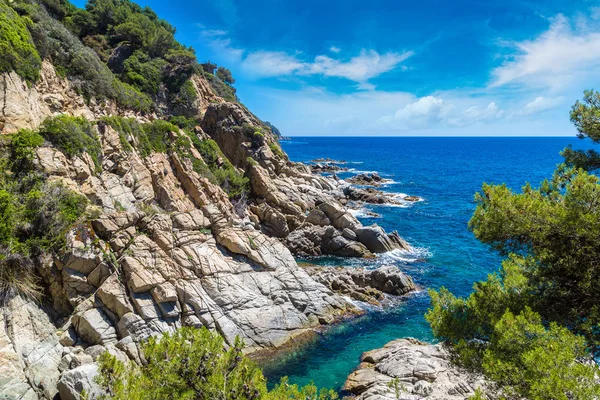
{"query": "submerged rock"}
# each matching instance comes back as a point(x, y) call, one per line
point(422, 371)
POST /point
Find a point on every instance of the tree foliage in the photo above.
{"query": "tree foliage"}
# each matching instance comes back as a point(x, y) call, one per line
point(586, 117)
point(225, 75)
point(534, 327)
point(192, 364)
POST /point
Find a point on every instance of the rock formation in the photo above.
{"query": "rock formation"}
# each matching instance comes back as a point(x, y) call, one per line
point(367, 285)
point(372, 179)
point(409, 369)
point(168, 248)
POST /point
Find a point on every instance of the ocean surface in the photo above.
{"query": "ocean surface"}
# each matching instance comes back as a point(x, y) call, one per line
point(445, 173)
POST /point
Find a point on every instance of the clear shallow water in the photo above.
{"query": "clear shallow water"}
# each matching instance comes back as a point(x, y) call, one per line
point(445, 172)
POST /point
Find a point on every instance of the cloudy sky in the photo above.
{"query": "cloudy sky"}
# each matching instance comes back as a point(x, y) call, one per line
point(391, 67)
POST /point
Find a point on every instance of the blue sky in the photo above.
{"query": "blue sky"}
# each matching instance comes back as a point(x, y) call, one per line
point(385, 67)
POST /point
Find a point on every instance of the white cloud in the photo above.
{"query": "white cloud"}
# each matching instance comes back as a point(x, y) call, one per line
point(540, 104)
point(335, 49)
point(271, 63)
point(366, 65)
point(317, 111)
point(423, 111)
point(365, 86)
point(567, 51)
point(476, 114)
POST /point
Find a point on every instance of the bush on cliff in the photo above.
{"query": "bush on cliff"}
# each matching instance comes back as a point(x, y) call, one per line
point(192, 364)
point(73, 136)
point(35, 215)
point(17, 50)
point(534, 328)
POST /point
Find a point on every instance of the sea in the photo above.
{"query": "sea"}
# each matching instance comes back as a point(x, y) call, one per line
point(445, 173)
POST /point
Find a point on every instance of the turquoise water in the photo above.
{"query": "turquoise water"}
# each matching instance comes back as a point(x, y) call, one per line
point(445, 172)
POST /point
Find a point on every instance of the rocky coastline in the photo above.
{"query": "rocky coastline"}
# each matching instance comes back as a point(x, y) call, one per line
point(168, 248)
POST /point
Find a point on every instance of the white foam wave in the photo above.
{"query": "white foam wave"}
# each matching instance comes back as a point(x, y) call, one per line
point(363, 213)
point(360, 171)
point(411, 255)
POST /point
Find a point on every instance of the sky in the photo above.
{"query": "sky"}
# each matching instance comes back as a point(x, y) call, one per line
point(400, 68)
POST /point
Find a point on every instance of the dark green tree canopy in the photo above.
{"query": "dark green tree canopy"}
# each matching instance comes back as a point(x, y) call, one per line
point(534, 327)
point(193, 364)
point(225, 75)
point(586, 117)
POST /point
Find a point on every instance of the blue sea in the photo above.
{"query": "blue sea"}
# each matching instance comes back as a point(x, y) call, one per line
point(445, 173)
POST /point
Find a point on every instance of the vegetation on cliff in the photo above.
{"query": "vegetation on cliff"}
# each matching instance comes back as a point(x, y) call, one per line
point(34, 215)
point(111, 49)
point(16, 45)
point(534, 327)
point(163, 137)
point(192, 364)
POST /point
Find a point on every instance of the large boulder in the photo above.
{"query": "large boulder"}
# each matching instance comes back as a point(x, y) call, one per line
point(425, 371)
point(79, 383)
point(377, 241)
point(94, 327)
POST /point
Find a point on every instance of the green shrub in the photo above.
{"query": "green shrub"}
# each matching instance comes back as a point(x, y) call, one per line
point(221, 88)
point(17, 50)
point(22, 148)
point(226, 175)
point(73, 136)
point(8, 210)
point(251, 161)
point(192, 364)
point(184, 122)
point(158, 133)
point(34, 215)
point(276, 150)
point(143, 73)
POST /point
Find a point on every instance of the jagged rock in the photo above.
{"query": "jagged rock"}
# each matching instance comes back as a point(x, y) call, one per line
point(339, 218)
point(377, 241)
point(363, 284)
point(318, 217)
point(68, 337)
point(312, 240)
point(188, 258)
point(94, 327)
point(370, 195)
point(29, 351)
point(273, 222)
point(372, 179)
point(73, 383)
point(114, 296)
point(424, 371)
point(118, 57)
point(220, 120)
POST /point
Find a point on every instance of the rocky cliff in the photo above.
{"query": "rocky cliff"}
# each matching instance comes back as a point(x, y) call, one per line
point(164, 243)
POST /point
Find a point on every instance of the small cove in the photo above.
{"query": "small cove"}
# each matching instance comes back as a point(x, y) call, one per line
point(446, 173)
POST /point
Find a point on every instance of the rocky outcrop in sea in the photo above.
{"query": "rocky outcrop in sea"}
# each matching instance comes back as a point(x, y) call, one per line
point(362, 284)
point(409, 369)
